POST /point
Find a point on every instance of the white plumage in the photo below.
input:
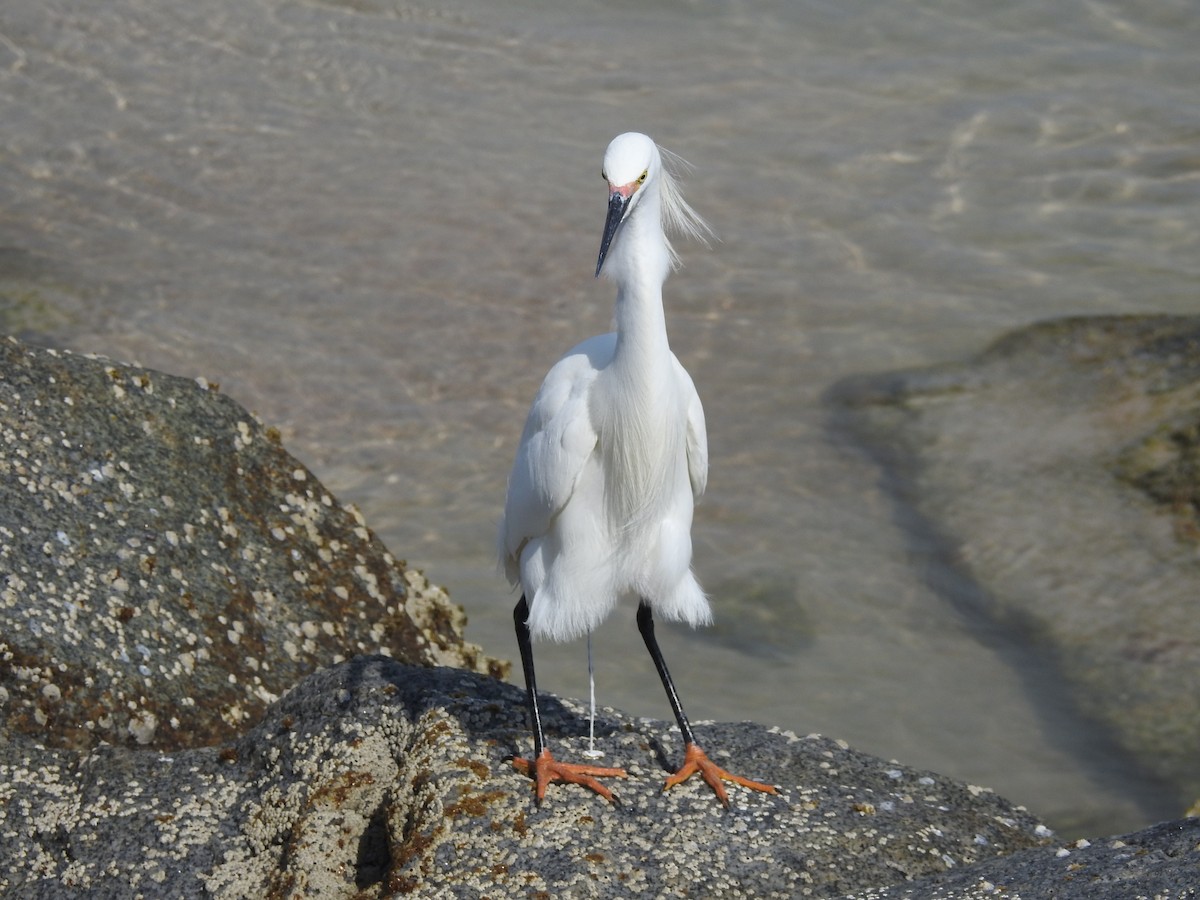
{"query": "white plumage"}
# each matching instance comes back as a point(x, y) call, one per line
point(614, 452)
point(611, 462)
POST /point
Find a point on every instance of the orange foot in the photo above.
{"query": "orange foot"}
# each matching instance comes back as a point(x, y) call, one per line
point(695, 760)
point(546, 769)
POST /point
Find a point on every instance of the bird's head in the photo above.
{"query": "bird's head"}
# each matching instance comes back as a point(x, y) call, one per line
point(627, 170)
point(634, 171)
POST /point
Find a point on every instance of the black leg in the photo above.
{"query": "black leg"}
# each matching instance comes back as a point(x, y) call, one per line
point(542, 767)
point(694, 759)
point(525, 645)
point(645, 620)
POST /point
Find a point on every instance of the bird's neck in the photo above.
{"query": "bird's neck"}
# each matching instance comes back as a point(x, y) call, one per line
point(640, 429)
point(642, 346)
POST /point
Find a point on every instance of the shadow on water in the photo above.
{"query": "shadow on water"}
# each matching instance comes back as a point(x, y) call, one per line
point(38, 300)
point(771, 622)
point(1012, 635)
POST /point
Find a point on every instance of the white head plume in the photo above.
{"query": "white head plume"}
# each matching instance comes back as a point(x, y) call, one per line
point(678, 217)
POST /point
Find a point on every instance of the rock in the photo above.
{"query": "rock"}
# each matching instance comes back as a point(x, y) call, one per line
point(373, 778)
point(1056, 476)
point(1162, 862)
point(168, 570)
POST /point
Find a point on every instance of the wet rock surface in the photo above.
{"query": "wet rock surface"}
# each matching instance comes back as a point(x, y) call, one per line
point(167, 569)
point(1055, 477)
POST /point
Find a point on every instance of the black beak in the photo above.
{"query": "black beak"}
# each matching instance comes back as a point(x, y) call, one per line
point(616, 214)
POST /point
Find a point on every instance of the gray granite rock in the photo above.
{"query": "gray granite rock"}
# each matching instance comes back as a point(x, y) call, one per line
point(1158, 863)
point(1055, 477)
point(373, 778)
point(167, 569)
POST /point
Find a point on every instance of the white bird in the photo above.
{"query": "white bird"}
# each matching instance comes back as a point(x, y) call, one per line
point(612, 459)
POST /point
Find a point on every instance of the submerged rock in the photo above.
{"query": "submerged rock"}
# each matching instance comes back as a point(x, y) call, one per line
point(1057, 471)
point(167, 569)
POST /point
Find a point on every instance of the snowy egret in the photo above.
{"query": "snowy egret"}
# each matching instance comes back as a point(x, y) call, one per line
point(612, 459)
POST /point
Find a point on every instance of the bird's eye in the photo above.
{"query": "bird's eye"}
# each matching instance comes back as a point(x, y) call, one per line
point(642, 177)
point(604, 175)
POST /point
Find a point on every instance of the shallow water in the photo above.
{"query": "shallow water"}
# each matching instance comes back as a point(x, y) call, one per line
point(374, 223)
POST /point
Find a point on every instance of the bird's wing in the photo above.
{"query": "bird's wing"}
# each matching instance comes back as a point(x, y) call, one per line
point(559, 438)
point(697, 437)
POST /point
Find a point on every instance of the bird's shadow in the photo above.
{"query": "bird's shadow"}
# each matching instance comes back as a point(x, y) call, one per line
point(562, 721)
point(659, 751)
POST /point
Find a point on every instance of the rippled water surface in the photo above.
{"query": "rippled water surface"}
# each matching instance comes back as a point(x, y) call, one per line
point(374, 223)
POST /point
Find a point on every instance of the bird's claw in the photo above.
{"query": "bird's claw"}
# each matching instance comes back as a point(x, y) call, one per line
point(696, 760)
point(546, 769)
